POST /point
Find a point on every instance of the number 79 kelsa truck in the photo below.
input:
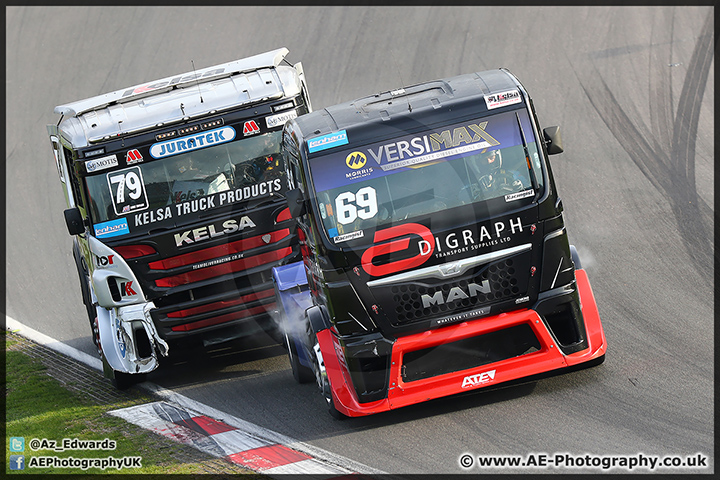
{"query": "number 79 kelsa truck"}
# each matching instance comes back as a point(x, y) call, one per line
point(175, 194)
point(435, 259)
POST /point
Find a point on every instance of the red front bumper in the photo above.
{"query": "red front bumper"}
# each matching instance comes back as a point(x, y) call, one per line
point(400, 394)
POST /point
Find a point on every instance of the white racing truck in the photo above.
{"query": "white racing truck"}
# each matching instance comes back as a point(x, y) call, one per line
point(175, 198)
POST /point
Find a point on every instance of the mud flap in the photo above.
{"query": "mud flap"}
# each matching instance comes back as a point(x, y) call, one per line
point(118, 330)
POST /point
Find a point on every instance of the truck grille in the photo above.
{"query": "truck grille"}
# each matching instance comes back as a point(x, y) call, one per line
point(221, 260)
point(227, 284)
point(432, 298)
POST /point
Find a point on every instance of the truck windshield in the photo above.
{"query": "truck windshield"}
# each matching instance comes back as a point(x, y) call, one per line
point(149, 192)
point(481, 160)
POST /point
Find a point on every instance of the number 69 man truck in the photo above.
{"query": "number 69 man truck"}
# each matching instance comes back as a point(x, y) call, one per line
point(435, 259)
point(175, 194)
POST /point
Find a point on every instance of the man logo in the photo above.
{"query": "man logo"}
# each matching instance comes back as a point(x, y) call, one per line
point(356, 160)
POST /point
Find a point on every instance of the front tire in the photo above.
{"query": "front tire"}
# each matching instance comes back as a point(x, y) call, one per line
point(301, 373)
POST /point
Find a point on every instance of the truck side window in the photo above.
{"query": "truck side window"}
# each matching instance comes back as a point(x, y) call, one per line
point(73, 178)
point(292, 160)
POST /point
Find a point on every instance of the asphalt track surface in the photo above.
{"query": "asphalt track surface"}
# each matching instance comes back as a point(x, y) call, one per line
point(631, 88)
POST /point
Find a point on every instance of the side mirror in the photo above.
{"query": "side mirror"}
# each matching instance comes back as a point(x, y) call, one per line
point(296, 202)
point(553, 140)
point(74, 221)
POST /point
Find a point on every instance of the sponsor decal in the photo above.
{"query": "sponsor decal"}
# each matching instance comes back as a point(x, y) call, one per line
point(195, 205)
point(266, 238)
point(502, 99)
point(348, 236)
point(133, 156)
point(105, 261)
point(214, 230)
point(192, 142)
point(461, 317)
point(250, 128)
point(462, 139)
point(455, 293)
point(113, 228)
point(126, 289)
point(170, 82)
point(280, 119)
point(102, 163)
point(396, 239)
point(356, 160)
point(445, 143)
point(218, 261)
point(478, 379)
point(517, 196)
point(488, 235)
point(327, 141)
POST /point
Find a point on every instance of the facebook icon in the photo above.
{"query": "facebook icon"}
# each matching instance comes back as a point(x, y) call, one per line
point(17, 462)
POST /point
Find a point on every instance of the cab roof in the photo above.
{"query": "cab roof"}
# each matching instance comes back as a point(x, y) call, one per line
point(180, 97)
point(407, 106)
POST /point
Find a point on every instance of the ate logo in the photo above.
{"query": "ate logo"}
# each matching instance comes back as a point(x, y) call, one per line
point(133, 156)
point(250, 128)
point(396, 239)
point(478, 379)
point(126, 289)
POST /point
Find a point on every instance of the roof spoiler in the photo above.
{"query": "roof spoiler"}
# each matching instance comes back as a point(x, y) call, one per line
point(269, 59)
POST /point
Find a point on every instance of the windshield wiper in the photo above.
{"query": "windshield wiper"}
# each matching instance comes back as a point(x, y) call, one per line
point(533, 180)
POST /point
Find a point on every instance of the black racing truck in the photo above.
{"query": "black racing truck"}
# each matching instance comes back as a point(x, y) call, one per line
point(435, 259)
point(175, 194)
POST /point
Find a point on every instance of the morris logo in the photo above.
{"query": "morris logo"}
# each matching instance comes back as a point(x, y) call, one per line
point(455, 293)
point(356, 160)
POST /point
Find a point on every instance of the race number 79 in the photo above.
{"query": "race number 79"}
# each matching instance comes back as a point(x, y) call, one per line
point(349, 206)
point(127, 190)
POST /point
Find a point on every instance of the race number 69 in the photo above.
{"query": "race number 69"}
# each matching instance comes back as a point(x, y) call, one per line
point(349, 206)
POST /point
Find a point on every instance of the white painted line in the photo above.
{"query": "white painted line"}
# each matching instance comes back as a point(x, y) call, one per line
point(14, 326)
point(233, 435)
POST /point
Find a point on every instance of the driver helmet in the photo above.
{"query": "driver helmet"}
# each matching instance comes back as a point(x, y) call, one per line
point(492, 159)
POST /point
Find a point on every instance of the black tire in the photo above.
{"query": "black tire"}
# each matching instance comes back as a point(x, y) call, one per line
point(334, 412)
point(84, 286)
point(123, 381)
point(301, 373)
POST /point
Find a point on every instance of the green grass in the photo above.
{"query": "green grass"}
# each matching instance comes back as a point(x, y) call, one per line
point(39, 407)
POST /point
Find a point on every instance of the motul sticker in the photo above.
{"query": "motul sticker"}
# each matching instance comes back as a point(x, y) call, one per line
point(250, 128)
point(97, 164)
point(478, 379)
point(133, 156)
point(280, 119)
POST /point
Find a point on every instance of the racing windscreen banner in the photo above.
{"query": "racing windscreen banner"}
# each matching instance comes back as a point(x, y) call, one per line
point(411, 151)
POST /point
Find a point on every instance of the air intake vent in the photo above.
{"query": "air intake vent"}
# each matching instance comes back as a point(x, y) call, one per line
point(496, 283)
point(114, 290)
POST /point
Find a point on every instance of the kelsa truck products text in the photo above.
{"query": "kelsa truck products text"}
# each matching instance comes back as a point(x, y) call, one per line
point(175, 194)
point(434, 255)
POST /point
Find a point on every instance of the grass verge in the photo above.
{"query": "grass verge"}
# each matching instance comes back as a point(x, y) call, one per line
point(39, 407)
